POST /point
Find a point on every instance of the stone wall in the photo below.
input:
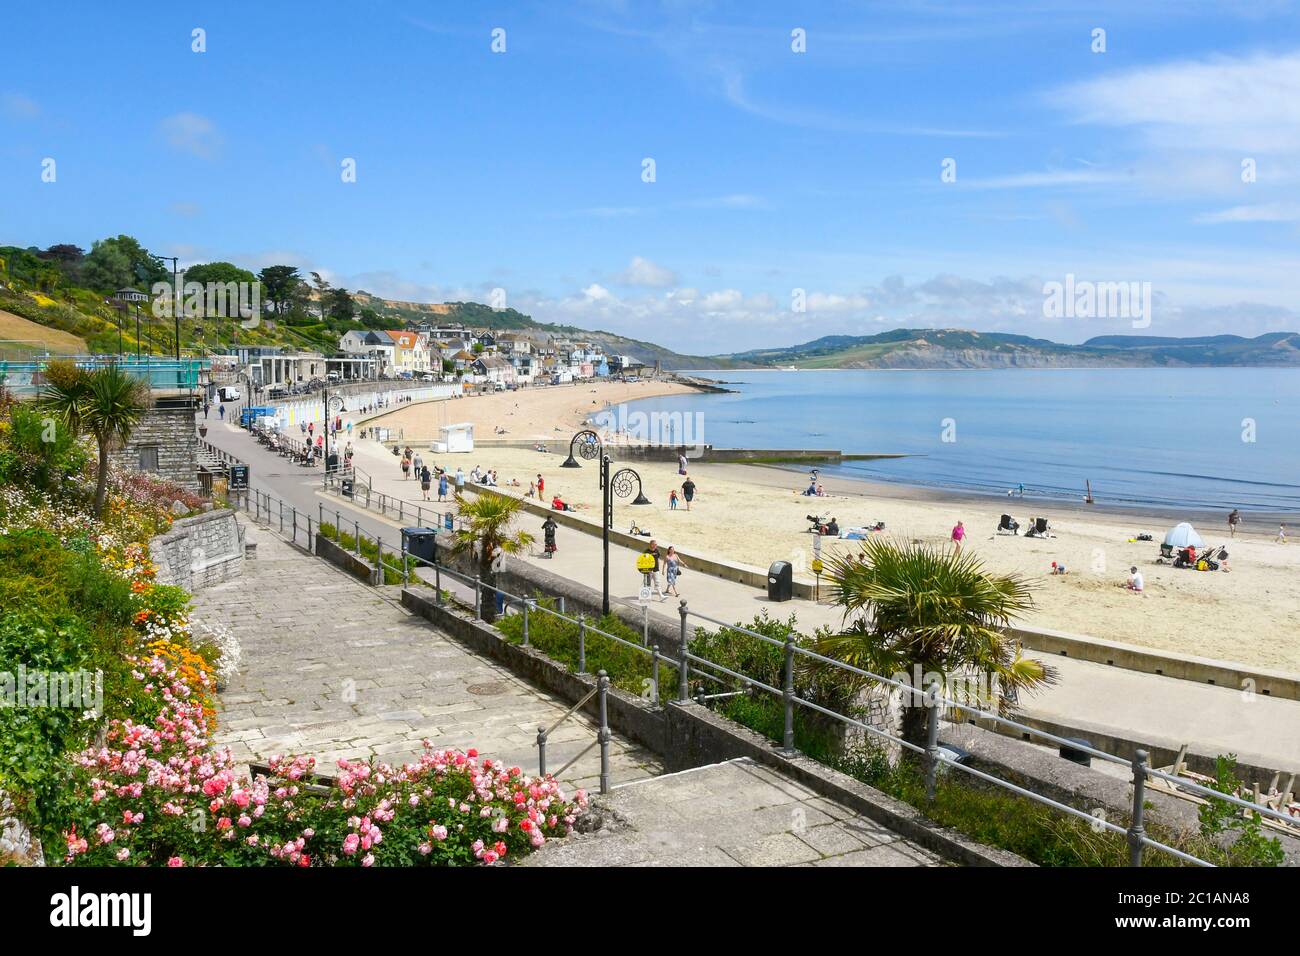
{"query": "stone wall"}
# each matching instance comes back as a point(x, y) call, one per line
point(201, 551)
point(165, 443)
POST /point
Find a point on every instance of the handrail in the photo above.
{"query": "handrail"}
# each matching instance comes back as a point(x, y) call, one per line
point(933, 700)
point(603, 734)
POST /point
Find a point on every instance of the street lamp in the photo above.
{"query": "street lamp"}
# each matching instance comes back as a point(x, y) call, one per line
point(587, 442)
point(176, 298)
point(620, 484)
point(132, 295)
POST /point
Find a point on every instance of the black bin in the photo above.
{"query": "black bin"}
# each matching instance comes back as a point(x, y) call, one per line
point(345, 487)
point(421, 543)
point(780, 581)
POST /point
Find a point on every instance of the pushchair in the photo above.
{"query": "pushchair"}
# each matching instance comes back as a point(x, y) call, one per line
point(1040, 529)
point(1008, 525)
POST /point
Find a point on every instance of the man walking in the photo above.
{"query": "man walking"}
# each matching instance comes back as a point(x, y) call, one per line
point(688, 492)
point(651, 569)
point(1234, 519)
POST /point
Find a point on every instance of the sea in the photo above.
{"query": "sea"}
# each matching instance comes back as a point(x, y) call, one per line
point(1203, 438)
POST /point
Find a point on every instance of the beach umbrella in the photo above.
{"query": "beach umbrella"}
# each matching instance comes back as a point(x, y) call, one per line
point(1183, 536)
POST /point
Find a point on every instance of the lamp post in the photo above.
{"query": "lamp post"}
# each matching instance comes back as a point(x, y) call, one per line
point(176, 298)
point(132, 295)
point(588, 445)
point(619, 484)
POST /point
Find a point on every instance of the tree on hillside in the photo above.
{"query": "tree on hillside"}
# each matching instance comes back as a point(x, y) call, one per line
point(218, 272)
point(339, 305)
point(115, 263)
point(279, 283)
point(932, 607)
point(372, 319)
point(486, 532)
point(107, 403)
point(322, 288)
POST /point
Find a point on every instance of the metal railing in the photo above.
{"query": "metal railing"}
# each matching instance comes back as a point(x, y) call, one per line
point(603, 733)
point(691, 666)
point(391, 506)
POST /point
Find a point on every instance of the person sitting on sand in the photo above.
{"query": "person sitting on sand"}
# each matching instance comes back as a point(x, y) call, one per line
point(1058, 568)
point(832, 528)
point(1135, 582)
point(811, 490)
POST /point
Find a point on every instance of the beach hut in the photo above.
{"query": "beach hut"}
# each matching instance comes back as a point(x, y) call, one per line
point(1183, 536)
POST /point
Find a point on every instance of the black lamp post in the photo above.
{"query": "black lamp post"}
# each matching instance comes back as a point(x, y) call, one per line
point(620, 484)
point(132, 295)
point(588, 446)
point(176, 298)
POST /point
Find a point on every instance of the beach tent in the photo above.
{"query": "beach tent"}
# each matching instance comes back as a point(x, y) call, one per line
point(1182, 536)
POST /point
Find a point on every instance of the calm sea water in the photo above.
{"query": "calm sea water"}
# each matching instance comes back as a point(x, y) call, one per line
point(1168, 437)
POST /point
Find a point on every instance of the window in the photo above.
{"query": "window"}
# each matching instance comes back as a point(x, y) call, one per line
point(149, 458)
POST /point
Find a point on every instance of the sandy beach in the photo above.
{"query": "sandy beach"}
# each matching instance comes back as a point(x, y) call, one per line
point(549, 414)
point(754, 515)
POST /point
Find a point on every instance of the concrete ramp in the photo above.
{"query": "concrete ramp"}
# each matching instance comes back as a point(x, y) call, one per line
point(737, 813)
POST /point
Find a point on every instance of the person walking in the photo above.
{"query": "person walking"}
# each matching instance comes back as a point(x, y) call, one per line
point(406, 467)
point(418, 463)
point(426, 479)
point(548, 535)
point(1234, 519)
point(442, 487)
point(958, 534)
point(681, 463)
point(460, 480)
point(688, 492)
point(221, 412)
point(673, 565)
point(541, 487)
point(206, 406)
point(652, 570)
point(1281, 534)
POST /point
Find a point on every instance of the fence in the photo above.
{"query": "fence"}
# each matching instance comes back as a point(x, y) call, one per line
point(691, 666)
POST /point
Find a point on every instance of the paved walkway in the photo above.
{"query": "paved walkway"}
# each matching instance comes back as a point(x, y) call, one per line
point(1125, 703)
point(737, 813)
point(333, 668)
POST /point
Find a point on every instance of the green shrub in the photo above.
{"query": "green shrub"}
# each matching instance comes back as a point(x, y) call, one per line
point(628, 669)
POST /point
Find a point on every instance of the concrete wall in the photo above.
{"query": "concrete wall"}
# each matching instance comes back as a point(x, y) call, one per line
point(167, 427)
point(201, 551)
point(353, 564)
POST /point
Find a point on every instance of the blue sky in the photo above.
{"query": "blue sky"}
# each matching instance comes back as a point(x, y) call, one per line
point(775, 171)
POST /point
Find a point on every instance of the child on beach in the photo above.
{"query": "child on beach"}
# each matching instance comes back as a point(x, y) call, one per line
point(958, 533)
point(1281, 534)
point(672, 500)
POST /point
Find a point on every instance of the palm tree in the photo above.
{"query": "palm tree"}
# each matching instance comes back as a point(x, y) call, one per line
point(487, 532)
point(108, 403)
point(932, 609)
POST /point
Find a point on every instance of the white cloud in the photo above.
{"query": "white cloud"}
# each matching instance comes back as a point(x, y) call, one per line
point(1262, 212)
point(191, 133)
point(18, 106)
point(642, 272)
point(1249, 103)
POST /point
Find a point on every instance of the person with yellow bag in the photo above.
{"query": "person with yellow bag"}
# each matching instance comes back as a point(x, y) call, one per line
point(647, 563)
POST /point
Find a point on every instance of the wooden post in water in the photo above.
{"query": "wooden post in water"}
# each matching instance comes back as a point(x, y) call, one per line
point(1088, 500)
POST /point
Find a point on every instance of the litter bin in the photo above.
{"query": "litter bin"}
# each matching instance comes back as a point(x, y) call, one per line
point(780, 581)
point(345, 487)
point(421, 543)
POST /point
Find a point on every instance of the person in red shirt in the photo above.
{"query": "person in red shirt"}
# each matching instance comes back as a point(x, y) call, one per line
point(541, 486)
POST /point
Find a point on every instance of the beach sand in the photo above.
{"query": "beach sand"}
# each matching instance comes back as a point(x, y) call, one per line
point(754, 515)
point(551, 413)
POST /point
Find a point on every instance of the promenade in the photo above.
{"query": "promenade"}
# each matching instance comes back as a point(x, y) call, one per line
point(1094, 697)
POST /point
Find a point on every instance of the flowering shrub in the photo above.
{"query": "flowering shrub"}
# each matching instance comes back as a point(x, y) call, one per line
point(157, 794)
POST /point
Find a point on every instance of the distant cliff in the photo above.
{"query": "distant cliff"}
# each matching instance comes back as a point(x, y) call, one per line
point(963, 349)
